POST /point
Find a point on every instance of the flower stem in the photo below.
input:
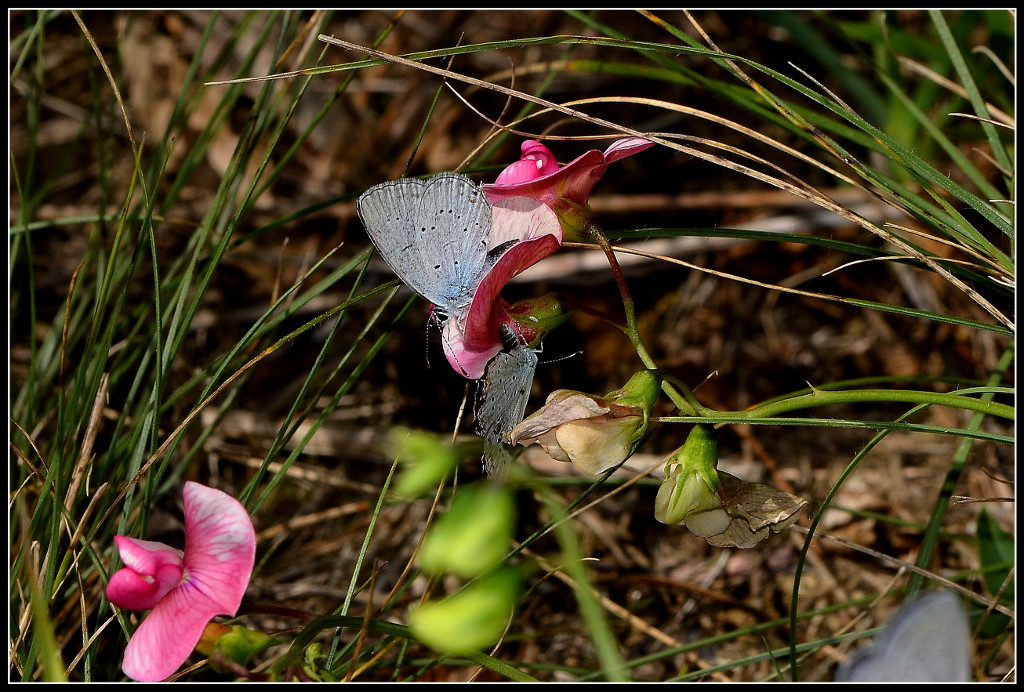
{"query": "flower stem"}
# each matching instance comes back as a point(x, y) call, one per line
point(595, 232)
point(821, 397)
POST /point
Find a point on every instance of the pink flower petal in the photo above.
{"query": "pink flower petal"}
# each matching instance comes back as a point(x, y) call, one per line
point(535, 162)
point(169, 633)
point(145, 556)
point(521, 171)
point(622, 148)
point(135, 591)
point(481, 324)
point(151, 570)
point(472, 338)
point(549, 187)
point(522, 218)
point(573, 181)
point(220, 545)
point(470, 363)
point(581, 174)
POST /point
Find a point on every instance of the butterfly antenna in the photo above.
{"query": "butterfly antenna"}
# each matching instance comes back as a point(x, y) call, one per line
point(426, 342)
point(557, 360)
point(462, 370)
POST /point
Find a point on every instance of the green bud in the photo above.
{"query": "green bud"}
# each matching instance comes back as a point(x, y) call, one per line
point(426, 461)
point(538, 316)
point(239, 645)
point(579, 222)
point(699, 454)
point(471, 619)
point(690, 492)
point(313, 653)
point(473, 536)
point(641, 392)
point(642, 389)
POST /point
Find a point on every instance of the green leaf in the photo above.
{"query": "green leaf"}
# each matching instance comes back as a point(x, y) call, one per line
point(996, 550)
point(473, 536)
point(426, 461)
point(471, 619)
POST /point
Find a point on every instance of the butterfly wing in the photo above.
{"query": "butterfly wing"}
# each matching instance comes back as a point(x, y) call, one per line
point(388, 212)
point(927, 640)
point(433, 234)
point(453, 223)
point(502, 397)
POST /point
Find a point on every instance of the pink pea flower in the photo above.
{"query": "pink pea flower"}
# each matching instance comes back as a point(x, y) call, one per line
point(533, 201)
point(472, 338)
point(183, 590)
point(537, 175)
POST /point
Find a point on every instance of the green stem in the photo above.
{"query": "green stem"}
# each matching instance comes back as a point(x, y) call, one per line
point(605, 645)
point(820, 397)
point(956, 468)
point(596, 233)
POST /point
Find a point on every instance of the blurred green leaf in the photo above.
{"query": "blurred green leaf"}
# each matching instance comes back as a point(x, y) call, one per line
point(997, 552)
point(473, 536)
point(426, 461)
point(471, 619)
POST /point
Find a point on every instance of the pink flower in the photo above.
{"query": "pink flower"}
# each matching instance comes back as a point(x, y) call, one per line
point(471, 338)
point(537, 175)
point(183, 589)
point(533, 201)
